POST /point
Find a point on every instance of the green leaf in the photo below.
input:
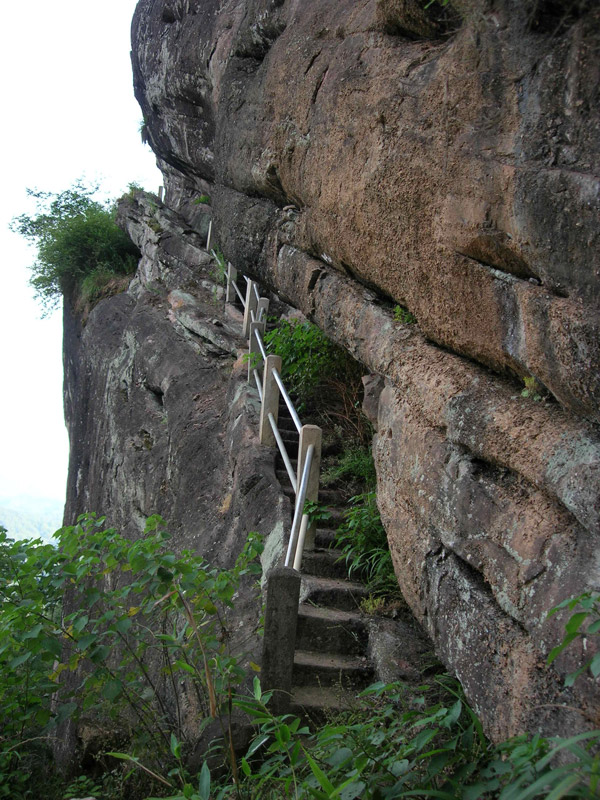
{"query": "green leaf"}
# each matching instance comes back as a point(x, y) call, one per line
point(324, 781)
point(100, 654)
point(86, 641)
point(576, 622)
point(65, 711)
point(257, 743)
point(175, 746)
point(112, 689)
point(34, 632)
point(204, 782)
point(80, 623)
point(123, 625)
point(16, 662)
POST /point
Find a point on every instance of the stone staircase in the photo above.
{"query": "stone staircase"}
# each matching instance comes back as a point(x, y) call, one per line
point(330, 664)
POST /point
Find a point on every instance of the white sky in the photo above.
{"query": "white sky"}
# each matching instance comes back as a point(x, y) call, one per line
point(68, 111)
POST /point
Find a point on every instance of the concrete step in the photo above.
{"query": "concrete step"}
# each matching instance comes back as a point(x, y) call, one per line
point(325, 537)
point(331, 669)
point(336, 516)
point(331, 630)
point(324, 563)
point(332, 592)
point(317, 703)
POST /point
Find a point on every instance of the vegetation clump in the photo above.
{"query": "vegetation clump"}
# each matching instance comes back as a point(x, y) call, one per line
point(79, 245)
point(138, 605)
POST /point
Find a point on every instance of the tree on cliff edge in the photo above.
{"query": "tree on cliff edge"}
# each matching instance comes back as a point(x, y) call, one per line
point(79, 245)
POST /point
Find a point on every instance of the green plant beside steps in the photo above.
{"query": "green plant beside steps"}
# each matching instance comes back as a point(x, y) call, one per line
point(135, 601)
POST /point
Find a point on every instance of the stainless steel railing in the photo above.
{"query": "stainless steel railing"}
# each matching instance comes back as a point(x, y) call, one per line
point(265, 371)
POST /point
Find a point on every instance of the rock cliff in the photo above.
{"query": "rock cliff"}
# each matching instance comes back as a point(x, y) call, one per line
point(361, 155)
point(161, 419)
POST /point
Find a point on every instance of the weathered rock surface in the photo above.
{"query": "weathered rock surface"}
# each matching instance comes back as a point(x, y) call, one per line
point(458, 176)
point(160, 416)
point(364, 154)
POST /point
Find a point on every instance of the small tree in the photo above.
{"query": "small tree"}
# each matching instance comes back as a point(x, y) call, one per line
point(77, 239)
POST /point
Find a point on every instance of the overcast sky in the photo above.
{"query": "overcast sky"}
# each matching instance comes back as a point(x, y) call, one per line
point(68, 112)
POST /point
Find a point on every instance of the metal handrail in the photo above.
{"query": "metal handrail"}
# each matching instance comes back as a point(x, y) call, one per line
point(239, 294)
point(284, 453)
point(258, 381)
point(261, 345)
point(301, 521)
point(299, 510)
point(288, 402)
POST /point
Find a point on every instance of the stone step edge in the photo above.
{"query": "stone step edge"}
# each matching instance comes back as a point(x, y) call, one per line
point(321, 698)
point(334, 662)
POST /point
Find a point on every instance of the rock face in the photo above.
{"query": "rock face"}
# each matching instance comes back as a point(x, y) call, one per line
point(370, 153)
point(160, 416)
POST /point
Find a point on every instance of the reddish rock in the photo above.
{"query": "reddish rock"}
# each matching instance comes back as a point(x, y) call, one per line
point(365, 154)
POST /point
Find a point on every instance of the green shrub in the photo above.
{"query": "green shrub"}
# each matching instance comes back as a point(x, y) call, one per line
point(320, 375)
point(363, 542)
point(75, 237)
point(142, 623)
point(354, 464)
point(409, 743)
point(404, 316)
point(585, 624)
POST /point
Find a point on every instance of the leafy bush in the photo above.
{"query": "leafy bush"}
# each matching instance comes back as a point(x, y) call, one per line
point(583, 624)
point(403, 743)
point(76, 237)
point(145, 622)
point(354, 464)
point(324, 378)
point(398, 742)
point(404, 316)
point(364, 544)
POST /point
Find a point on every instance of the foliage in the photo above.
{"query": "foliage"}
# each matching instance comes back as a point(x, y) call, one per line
point(403, 315)
point(354, 464)
point(402, 744)
point(532, 389)
point(583, 624)
point(76, 237)
point(29, 602)
point(364, 545)
point(144, 617)
point(315, 370)
point(316, 512)
point(203, 199)
point(220, 271)
point(145, 622)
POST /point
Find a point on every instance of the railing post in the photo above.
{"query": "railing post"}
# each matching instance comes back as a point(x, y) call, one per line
point(270, 402)
point(310, 434)
point(254, 355)
point(279, 640)
point(250, 309)
point(231, 278)
point(262, 308)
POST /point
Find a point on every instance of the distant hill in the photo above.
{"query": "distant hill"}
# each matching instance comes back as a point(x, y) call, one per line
point(30, 517)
